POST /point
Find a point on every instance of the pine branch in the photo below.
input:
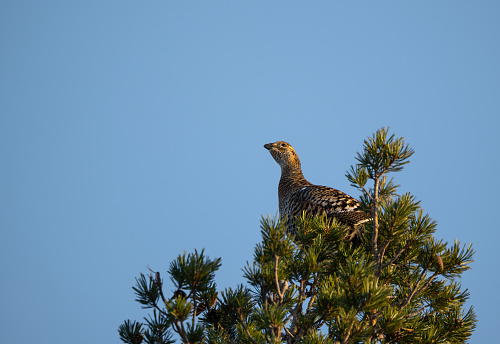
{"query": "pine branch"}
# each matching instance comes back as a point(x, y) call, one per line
point(348, 334)
point(276, 279)
point(418, 311)
point(160, 310)
point(160, 284)
point(290, 335)
point(398, 254)
point(427, 283)
point(243, 323)
point(180, 330)
point(313, 296)
point(298, 308)
point(403, 303)
point(375, 212)
point(366, 192)
point(383, 247)
point(228, 336)
point(195, 309)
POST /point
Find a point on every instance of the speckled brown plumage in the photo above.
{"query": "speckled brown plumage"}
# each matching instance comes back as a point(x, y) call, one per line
point(296, 194)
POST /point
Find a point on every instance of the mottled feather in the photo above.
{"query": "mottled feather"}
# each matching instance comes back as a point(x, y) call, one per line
point(296, 194)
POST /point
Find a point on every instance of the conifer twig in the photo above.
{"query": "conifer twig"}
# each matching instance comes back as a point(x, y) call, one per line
point(375, 224)
point(298, 307)
point(289, 333)
point(366, 191)
point(280, 293)
point(247, 332)
point(396, 256)
point(314, 293)
point(418, 311)
point(160, 284)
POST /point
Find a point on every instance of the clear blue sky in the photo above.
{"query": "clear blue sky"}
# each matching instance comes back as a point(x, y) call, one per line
point(133, 130)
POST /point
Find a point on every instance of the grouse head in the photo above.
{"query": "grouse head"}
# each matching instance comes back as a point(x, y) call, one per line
point(284, 154)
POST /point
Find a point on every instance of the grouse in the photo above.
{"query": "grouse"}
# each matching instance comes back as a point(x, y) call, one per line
point(296, 194)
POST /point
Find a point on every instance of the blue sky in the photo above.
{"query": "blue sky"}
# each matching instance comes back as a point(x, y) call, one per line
point(131, 131)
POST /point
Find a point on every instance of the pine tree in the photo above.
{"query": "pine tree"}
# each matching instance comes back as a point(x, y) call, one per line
point(398, 285)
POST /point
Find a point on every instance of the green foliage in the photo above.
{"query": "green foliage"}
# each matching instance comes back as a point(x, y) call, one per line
point(131, 332)
point(398, 285)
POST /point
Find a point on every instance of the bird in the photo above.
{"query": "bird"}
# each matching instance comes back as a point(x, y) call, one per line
point(296, 194)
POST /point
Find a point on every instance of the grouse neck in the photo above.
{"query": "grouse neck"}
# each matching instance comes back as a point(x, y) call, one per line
point(291, 177)
point(291, 170)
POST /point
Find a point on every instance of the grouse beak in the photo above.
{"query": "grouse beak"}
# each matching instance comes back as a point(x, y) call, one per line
point(268, 146)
